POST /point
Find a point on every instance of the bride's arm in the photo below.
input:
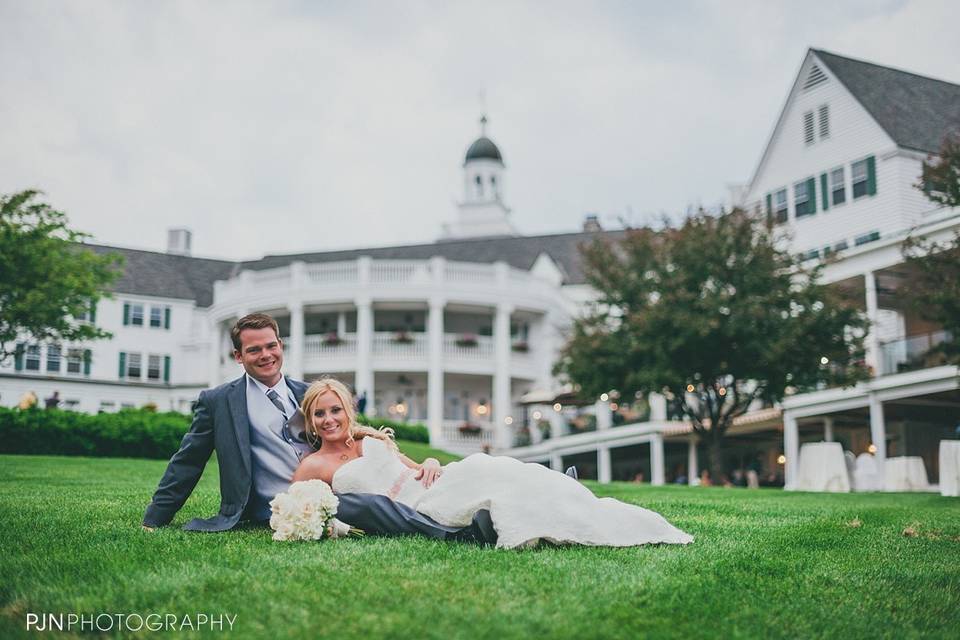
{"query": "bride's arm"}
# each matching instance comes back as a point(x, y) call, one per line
point(428, 472)
point(313, 467)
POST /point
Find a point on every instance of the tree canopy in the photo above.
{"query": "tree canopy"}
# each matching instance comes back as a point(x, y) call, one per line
point(48, 281)
point(714, 313)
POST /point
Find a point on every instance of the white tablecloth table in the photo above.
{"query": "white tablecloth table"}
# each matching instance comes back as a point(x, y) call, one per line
point(822, 468)
point(950, 467)
point(905, 473)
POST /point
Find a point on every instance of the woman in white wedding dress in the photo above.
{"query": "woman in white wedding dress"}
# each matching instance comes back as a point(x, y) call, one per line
point(527, 502)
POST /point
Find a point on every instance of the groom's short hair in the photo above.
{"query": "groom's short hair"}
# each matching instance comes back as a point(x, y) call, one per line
point(252, 321)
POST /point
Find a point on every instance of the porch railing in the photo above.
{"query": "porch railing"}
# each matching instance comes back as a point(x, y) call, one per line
point(913, 352)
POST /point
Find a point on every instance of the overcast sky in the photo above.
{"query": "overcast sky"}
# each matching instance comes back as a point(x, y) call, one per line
point(275, 127)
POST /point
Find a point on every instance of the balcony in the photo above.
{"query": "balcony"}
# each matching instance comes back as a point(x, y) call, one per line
point(464, 438)
point(913, 353)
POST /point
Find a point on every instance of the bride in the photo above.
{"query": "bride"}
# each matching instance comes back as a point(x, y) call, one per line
point(527, 502)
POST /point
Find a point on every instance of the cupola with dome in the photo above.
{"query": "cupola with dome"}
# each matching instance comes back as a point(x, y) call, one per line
point(482, 211)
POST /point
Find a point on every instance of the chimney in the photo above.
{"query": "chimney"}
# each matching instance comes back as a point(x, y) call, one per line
point(591, 223)
point(178, 241)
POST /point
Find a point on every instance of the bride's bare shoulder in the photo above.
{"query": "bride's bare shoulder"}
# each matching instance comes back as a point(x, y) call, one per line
point(316, 466)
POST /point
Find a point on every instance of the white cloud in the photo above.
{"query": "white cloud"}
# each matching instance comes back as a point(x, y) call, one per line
point(277, 128)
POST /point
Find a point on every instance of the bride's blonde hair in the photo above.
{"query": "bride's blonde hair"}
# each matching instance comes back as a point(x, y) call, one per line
point(355, 430)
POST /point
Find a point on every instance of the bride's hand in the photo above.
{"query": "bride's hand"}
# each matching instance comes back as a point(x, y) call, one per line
point(429, 472)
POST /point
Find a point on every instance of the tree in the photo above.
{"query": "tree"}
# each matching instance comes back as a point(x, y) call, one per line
point(48, 281)
point(935, 291)
point(714, 314)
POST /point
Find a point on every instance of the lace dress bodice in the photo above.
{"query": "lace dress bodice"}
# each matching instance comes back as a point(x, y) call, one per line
point(379, 470)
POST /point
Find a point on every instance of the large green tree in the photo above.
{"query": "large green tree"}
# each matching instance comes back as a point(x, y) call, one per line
point(934, 293)
point(714, 313)
point(48, 280)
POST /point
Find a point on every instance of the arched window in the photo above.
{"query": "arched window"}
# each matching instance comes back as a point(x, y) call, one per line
point(493, 185)
point(479, 182)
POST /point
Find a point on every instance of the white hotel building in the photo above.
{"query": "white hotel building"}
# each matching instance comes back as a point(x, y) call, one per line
point(461, 334)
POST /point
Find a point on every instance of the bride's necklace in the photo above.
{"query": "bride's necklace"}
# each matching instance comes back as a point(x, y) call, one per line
point(344, 457)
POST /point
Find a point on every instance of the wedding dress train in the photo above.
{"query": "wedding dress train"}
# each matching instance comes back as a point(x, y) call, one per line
point(527, 502)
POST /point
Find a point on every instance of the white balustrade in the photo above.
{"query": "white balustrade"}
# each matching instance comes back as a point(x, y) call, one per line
point(403, 345)
point(459, 272)
point(460, 436)
point(386, 271)
point(462, 347)
point(323, 346)
point(332, 272)
point(272, 277)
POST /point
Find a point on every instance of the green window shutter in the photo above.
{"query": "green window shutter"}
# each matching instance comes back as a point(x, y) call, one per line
point(18, 356)
point(812, 191)
point(123, 364)
point(824, 192)
point(87, 359)
point(769, 206)
point(166, 318)
point(126, 313)
point(93, 312)
point(871, 176)
point(166, 368)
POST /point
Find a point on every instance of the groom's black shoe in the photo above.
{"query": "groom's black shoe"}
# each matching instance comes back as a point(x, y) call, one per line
point(572, 472)
point(480, 531)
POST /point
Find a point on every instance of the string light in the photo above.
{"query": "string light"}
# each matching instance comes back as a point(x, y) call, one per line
point(557, 406)
point(508, 420)
point(604, 397)
point(689, 388)
point(872, 448)
point(722, 391)
point(537, 415)
point(781, 459)
point(824, 360)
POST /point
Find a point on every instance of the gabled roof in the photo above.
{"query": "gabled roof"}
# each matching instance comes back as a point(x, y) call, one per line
point(914, 110)
point(166, 275)
point(153, 273)
point(518, 251)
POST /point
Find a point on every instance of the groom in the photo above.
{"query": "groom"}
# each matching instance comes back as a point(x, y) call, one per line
point(245, 422)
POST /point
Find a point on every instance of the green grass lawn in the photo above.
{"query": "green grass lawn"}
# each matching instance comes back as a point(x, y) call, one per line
point(765, 564)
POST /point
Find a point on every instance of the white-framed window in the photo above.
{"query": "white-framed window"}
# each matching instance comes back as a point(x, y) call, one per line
point(808, 131)
point(107, 406)
point(859, 175)
point(780, 207)
point(838, 188)
point(74, 360)
point(156, 316)
point(134, 365)
point(803, 199)
point(154, 363)
point(479, 182)
point(866, 238)
point(31, 357)
point(53, 358)
point(136, 315)
point(823, 115)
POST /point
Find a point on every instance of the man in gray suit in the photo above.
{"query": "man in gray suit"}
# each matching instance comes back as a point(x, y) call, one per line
point(245, 422)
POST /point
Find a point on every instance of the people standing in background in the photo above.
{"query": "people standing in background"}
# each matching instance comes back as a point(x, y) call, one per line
point(362, 403)
point(27, 401)
point(53, 401)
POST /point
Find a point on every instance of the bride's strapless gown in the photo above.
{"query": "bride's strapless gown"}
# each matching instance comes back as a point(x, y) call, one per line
point(527, 502)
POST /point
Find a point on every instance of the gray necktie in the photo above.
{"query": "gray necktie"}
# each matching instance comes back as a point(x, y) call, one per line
point(275, 399)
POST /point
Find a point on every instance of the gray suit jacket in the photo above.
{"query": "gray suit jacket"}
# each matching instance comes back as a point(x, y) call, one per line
point(220, 423)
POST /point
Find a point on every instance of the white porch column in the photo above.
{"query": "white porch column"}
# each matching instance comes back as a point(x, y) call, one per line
point(872, 342)
point(557, 423)
point(556, 462)
point(693, 467)
point(295, 349)
point(435, 370)
point(828, 429)
point(656, 459)
point(604, 465)
point(342, 324)
point(791, 450)
point(501, 377)
point(364, 376)
point(658, 407)
point(604, 415)
point(878, 431)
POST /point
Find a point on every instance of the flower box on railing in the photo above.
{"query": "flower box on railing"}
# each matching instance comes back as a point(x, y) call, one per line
point(470, 429)
point(466, 340)
point(332, 339)
point(402, 337)
point(520, 347)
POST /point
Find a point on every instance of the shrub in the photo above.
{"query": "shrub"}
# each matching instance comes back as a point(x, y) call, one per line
point(130, 433)
point(402, 430)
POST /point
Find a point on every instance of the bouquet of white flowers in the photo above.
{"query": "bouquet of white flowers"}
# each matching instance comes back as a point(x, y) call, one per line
point(306, 512)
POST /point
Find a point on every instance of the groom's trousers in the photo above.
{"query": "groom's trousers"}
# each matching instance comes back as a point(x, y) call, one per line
point(378, 515)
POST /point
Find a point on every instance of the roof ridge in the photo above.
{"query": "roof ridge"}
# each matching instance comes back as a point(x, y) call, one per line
point(821, 52)
point(159, 253)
